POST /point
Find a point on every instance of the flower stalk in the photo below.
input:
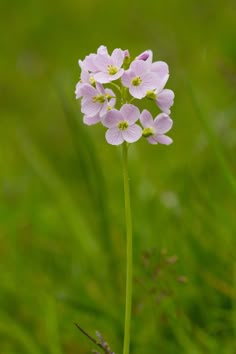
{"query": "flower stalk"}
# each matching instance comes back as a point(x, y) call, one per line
point(129, 252)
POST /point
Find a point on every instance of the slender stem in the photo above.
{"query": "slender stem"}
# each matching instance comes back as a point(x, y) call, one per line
point(129, 255)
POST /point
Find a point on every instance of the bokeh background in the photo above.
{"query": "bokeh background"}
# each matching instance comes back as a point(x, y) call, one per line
point(62, 237)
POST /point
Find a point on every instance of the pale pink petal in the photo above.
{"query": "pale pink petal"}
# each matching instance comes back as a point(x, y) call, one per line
point(161, 68)
point(132, 134)
point(112, 118)
point(90, 108)
point(117, 57)
point(130, 113)
point(114, 136)
point(78, 93)
point(140, 67)
point(102, 61)
point(85, 76)
point(151, 140)
point(162, 123)
point(163, 139)
point(102, 77)
point(91, 120)
point(150, 81)
point(89, 63)
point(146, 119)
point(126, 78)
point(102, 50)
point(88, 90)
point(138, 91)
point(165, 100)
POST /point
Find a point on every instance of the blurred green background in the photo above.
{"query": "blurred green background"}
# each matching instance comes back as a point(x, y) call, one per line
point(62, 237)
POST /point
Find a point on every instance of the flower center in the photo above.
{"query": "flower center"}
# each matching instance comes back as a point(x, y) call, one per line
point(112, 70)
point(123, 125)
point(92, 81)
point(148, 132)
point(151, 95)
point(136, 81)
point(99, 99)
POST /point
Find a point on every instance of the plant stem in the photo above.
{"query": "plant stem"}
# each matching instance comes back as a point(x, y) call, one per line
point(129, 254)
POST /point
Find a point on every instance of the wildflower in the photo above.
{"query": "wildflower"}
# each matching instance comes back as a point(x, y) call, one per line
point(139, 78)
point(122, 125)
point(89, 63)
point(96, 101)
point(164, 98)
point(109, 66)
point(154, 130)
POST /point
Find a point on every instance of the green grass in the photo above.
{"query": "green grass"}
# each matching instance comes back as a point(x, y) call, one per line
point(62, 236)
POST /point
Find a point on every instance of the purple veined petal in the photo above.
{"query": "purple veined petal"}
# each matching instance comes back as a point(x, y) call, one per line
point(138, 91)
point(165, 99)
point(114, 136)
point(163, 139)
point(126, 78)
point(90, 108)
point(162, 123)
point(140, 67)
point(91, 120)
point(147, 54)
point(104, 109)
point(151, 140)
point(150, 81)
point(132, 134)
point(112, 118)
point(102, 50)
point(130, 113)
point(102, 77)
point(102, 61)
point(88, 90)
point(117, 57)
point(146, 119)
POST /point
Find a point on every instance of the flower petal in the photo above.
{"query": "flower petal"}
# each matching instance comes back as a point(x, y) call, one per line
point(146, 119)
point(138, 91)
point(162, 123)
point(102, 50)
point(88, 90)
point(126, 78)
point(163, 139)
point(114, 136)
point(117, 57)
point(112, 118)
point(130, 113)
point(102, 77)
point(161, 68)
point(132, 134)
point(165, 99)
point(151, 140)
point(90, 108)
point(91, 120)
point(140, 67)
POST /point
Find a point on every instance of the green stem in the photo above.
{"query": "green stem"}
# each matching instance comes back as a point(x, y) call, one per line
point(129, 255)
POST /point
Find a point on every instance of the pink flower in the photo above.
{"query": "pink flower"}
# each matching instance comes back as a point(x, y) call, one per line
point(96, 101)
point(122, 125)
point(139, 78)
point(85, 78)
point(154, 130)
point(164, 98)
point(109, 66)
point(89, 63)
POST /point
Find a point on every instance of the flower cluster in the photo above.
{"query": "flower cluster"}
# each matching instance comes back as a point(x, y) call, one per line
point(109, 83)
